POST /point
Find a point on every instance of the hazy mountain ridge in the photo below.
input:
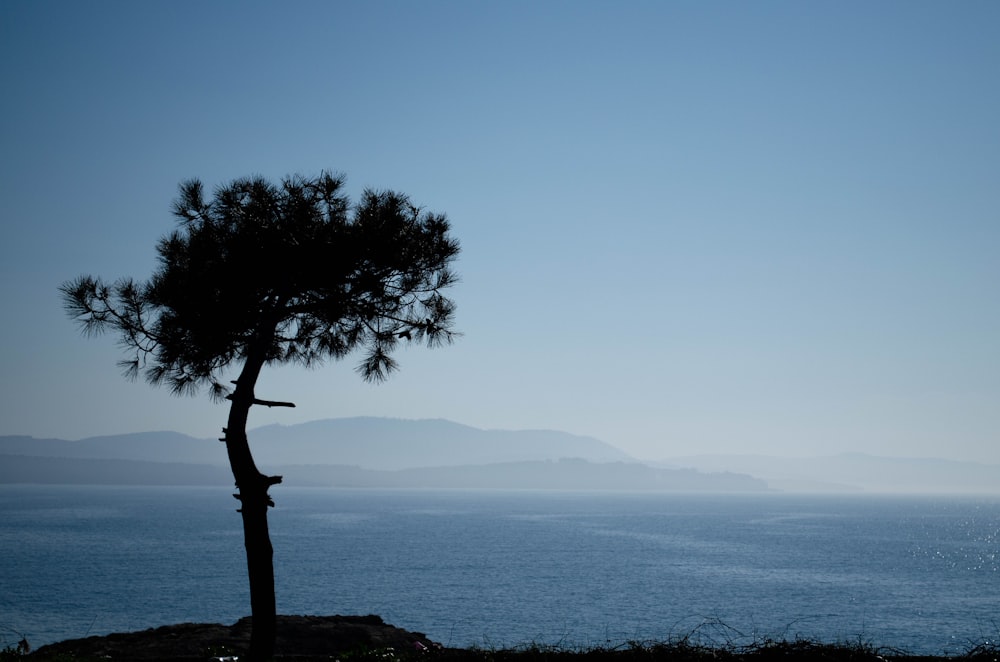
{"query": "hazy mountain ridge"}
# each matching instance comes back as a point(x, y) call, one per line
point(390, 443)
point(40, 470)
point(138, 446)
point(358, 452)
point(372, 443)
point(853, 472)
point(386, 452)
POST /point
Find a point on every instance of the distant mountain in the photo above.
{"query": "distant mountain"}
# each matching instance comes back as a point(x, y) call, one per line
point(358, 452)
point(853, 472)
point(425, 453)
point(78, 471)
point(389, 443)
point(142, 446)
point(372, 443)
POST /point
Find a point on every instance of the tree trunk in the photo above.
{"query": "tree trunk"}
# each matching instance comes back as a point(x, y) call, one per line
point(253, 486)
point(260, 568)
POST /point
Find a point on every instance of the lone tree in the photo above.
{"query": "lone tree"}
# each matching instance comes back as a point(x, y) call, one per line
point(264, 274)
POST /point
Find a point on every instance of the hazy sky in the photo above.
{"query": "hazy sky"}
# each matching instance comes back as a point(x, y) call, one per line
point(768, 227)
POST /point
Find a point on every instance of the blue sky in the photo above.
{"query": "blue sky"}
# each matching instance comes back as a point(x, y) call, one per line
point(687, 227)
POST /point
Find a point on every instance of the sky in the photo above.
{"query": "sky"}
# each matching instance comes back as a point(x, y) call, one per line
point(686, 227)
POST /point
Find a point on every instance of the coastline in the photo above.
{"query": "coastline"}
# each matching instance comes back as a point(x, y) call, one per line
point(307, 638)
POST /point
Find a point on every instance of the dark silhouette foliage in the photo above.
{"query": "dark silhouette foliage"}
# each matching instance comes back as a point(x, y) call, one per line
point(266, 274)
point(292, 273)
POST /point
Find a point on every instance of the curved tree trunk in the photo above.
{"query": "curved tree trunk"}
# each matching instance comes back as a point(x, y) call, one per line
point(253, 486)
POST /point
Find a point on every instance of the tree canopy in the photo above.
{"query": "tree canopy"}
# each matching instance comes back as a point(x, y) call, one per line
point(288, 273)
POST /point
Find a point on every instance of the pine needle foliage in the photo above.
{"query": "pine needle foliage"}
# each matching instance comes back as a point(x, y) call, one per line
point(293, 271)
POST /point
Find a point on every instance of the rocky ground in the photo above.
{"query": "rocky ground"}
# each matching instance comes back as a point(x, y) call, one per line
point(298, 638)
point(369, 638)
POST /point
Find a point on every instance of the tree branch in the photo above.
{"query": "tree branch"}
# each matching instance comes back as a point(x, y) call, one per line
point(266, 403)
point(273, 403)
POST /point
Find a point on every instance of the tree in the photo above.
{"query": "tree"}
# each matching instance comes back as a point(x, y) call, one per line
point(266, 274)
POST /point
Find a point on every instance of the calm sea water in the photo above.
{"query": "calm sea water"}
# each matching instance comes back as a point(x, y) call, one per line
point(508, 568)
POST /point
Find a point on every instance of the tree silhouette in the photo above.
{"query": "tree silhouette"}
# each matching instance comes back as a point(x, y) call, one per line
point(267, 274)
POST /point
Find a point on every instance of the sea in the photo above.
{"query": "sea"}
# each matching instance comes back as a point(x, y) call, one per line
point(914, 574)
